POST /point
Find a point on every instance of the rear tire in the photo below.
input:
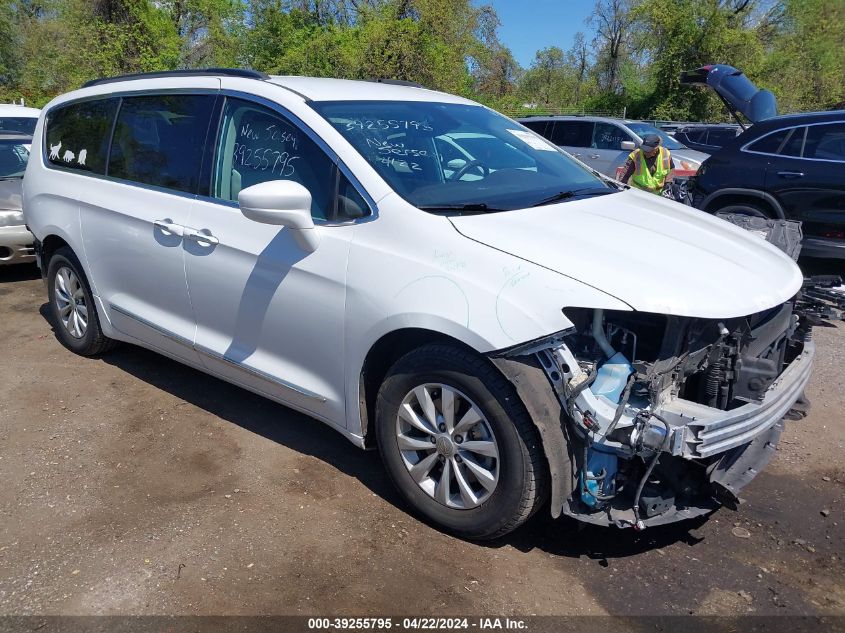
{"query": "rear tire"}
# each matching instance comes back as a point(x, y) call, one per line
point(72, 306)
point(505, 452)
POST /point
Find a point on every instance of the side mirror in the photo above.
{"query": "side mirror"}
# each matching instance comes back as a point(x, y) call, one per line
point(282, 203)
point(628, 145)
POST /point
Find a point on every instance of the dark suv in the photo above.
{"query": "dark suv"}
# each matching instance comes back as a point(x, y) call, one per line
point(790, 166)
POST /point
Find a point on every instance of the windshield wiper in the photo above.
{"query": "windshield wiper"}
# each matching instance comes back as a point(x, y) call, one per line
point(565, 195)
point(471, 207)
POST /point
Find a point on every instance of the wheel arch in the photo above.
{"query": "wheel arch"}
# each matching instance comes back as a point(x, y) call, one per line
point(383, 353)
point(524, 373)
point(49, 245)
point(736, 195)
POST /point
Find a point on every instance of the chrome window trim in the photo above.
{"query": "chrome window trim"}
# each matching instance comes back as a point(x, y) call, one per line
point(745, 149)
point(181, 340)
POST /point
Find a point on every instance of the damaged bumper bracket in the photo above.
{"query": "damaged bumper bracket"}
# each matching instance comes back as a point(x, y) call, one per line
point(702, 431)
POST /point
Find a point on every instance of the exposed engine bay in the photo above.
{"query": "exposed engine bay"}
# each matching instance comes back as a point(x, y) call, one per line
point(659, 406)
point(657, 418)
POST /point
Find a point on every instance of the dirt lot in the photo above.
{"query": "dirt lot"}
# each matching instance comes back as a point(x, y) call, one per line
point(134, 485)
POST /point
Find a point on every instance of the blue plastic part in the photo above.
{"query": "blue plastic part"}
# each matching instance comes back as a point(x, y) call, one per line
point(611, 377)
point(598, 461)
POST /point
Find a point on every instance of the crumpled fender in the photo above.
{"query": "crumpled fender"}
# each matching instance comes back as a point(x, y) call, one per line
point(531, 383)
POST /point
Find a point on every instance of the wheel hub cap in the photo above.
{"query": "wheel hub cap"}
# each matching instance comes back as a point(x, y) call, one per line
point(448, 446)
point(445, 446)
point(70, 302)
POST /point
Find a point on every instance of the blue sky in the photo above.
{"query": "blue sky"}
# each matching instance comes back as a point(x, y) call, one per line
point(529, 25)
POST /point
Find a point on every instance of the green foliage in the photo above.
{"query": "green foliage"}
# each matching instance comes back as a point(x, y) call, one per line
point(805, 67)
point(796, 48)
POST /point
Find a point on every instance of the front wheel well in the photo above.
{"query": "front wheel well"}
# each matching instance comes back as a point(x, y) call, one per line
point(381, 357)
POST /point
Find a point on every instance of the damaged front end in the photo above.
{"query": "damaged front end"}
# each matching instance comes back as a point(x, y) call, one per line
point(665, 418)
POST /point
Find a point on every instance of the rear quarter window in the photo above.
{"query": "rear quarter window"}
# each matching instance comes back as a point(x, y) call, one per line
point(78, 135)
point(771, 143)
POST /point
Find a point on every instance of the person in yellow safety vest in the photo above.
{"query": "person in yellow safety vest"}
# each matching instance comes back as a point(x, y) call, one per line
point(650, 166)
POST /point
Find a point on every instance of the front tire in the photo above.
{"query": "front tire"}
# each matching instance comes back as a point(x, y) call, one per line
point(72, 305)
point(458, 443)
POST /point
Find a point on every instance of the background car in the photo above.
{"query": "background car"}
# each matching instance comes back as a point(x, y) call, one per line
point(790, 166)
point(16, 242)
point(604, 143)
point(706, 138)
point(18, 118)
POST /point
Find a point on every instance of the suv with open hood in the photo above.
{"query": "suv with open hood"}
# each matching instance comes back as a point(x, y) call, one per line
point(789, 167)
point(426, 276)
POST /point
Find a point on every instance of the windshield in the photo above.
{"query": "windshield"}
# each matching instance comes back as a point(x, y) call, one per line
point(23, 125)
point(641, 129)
point(13, 157)
point(441, 156)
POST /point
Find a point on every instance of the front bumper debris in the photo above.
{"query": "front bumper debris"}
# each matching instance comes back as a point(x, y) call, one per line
point(699, 430)
point(702, 431)
point(677, 431)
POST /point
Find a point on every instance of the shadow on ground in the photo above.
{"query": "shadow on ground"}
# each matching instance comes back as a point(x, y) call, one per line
point(19, 272)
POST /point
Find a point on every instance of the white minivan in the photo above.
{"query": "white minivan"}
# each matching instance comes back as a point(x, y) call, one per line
point(508, 327)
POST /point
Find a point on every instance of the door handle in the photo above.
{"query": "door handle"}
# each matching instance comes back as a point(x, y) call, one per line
point(169, 227)
point(577, 155)
point(201, 238)
point(791, 174)
point(594, 156)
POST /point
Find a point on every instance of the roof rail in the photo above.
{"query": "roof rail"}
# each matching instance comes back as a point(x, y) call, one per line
point(396, 82)
point(229, 72)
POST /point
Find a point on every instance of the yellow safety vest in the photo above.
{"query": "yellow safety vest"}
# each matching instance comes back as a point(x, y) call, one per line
point(643, 178)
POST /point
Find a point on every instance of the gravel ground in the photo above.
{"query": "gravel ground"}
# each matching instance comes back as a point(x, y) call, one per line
point(134, 485)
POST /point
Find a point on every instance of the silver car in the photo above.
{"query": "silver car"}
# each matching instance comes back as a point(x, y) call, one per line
point(604, 143)
point(16, 242)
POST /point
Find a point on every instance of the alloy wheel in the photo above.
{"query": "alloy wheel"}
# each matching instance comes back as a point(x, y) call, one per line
point(448, 446)
point(70, 302)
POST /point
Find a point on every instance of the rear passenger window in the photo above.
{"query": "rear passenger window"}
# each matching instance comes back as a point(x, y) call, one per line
point(159, 140)
point(770, 144)
point(538, 126)
point(572, 133)
point(720, 137)
point(795, 143)
point(78, 135)
point(695, 135)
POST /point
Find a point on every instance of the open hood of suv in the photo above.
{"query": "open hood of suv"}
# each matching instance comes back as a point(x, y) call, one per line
point(735, 89)
point(653, 254)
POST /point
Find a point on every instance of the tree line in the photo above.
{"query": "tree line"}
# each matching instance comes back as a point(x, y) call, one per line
point(628, 57)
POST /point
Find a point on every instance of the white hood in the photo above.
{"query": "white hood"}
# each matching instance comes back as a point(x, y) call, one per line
point(653, 254)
